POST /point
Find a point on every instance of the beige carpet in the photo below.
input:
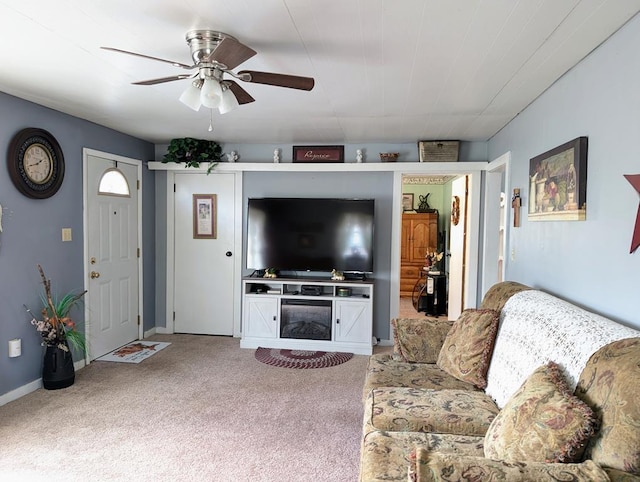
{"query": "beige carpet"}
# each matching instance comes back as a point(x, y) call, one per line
point(202, 409)
point(408, 311)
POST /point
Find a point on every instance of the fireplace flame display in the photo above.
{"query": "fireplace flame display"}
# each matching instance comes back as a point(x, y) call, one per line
point(306, 319)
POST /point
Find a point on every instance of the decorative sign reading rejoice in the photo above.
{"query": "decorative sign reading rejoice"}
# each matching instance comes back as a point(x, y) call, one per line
point(318, 153)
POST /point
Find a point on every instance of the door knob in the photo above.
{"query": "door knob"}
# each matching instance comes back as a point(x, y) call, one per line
point(94, 275)
point(228, 254)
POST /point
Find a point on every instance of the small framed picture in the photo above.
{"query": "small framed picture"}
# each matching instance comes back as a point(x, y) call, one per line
point(204, 216)
point(407, 201)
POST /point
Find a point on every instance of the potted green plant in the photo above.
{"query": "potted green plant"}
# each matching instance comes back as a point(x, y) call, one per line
point(192, 152)
point(58, 331)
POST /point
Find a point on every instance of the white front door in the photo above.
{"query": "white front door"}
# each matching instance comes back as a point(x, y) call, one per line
point(112, 254)
point(457, 247)
point(204, 267)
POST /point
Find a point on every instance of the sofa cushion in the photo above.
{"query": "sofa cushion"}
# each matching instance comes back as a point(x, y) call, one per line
point(610, 383)
point(386, 455)
point(461, 412)
point(430, 466)
point(535, 328)
point(467, 348)
point(384, 370)
point(542, 422)
point(419, 340)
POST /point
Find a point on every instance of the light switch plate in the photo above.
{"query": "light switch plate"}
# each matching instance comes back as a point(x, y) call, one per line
point(66, 234)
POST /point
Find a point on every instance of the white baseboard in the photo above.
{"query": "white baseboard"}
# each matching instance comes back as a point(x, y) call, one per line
point(32, 386)
point(385, 343)
point(150, 332)
point(161, 330)
point(20, 391)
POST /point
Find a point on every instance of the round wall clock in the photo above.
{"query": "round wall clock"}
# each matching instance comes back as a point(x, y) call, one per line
point(36, 163)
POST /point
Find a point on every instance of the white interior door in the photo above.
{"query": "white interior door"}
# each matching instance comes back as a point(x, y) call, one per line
point(204, 267)
point(113, 255)
point(457, 247)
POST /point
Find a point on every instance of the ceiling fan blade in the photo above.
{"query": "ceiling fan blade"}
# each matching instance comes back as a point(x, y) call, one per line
point(164, 79)
point(242, 95)
point(175, 64)
point(230, 53)
point(279, 80)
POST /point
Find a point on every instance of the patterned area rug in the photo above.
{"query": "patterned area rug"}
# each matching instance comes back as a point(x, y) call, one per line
point(300, 358)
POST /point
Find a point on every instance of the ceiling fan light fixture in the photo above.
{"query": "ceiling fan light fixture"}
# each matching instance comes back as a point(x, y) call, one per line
point(191, 95)
point(228, 102)
point(211, 93)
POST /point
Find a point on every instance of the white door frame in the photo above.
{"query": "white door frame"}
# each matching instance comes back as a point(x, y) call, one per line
point(473, 238)
point(86, 152)
point(497, 178)
point(170, 240)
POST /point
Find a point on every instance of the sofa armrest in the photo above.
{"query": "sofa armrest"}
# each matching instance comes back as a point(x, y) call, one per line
point(419, 340)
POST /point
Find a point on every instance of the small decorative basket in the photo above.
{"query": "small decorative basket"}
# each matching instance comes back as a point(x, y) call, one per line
point(388, 156)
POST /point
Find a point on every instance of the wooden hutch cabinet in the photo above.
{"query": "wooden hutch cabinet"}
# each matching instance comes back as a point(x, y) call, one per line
point(419, 235)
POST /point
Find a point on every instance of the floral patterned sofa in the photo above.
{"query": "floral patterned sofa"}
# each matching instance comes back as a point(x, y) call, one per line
point(527, 387)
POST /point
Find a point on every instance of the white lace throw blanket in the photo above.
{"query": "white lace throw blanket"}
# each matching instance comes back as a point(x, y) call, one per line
point(536, 328)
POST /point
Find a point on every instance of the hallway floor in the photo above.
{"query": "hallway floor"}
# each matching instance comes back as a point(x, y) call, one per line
point(408, 311)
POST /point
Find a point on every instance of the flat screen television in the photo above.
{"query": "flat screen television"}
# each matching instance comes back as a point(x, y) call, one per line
point(310, 234)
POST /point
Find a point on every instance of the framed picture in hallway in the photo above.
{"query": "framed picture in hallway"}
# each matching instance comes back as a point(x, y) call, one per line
point(558, 183)
point(204, 216)
point(407, 201)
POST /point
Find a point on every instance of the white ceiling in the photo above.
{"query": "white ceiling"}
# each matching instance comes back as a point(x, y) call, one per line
point(386, 71)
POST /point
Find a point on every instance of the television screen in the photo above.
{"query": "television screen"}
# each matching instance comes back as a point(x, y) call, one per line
point(310, 234)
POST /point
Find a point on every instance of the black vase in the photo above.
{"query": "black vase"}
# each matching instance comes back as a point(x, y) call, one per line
point(57, 368)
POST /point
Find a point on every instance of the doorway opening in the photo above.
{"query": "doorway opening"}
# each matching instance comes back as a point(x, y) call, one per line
point(426, 255)
point(471, 175)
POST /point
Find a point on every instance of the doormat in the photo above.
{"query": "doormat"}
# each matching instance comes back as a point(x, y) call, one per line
point(134, 352)
point(300, 358)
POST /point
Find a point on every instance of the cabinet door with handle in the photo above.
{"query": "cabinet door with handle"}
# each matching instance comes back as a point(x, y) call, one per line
point(261, 316)
point(353, 321)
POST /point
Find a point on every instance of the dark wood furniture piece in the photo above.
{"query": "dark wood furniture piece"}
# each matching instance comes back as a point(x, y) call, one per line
point(419, 235)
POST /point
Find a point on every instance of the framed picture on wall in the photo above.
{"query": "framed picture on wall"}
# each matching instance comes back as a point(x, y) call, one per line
point(558, 183)
point(204, 216)
point(407, 201)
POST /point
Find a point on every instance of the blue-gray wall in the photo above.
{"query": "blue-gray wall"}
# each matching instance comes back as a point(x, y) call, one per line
point(32, 231)
point(587, 262)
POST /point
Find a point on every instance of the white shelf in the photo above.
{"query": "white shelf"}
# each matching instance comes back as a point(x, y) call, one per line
point(414, 167)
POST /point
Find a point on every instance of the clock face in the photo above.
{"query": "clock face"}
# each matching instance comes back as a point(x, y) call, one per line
point(35, 163)
point(38, 164)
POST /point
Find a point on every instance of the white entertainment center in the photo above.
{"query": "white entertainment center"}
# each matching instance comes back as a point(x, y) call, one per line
point(307, 314)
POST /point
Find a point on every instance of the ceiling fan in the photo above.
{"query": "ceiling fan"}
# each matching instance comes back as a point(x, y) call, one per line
point(215, 54)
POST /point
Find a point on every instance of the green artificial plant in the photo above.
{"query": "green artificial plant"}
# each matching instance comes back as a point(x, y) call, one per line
point(192, 152)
